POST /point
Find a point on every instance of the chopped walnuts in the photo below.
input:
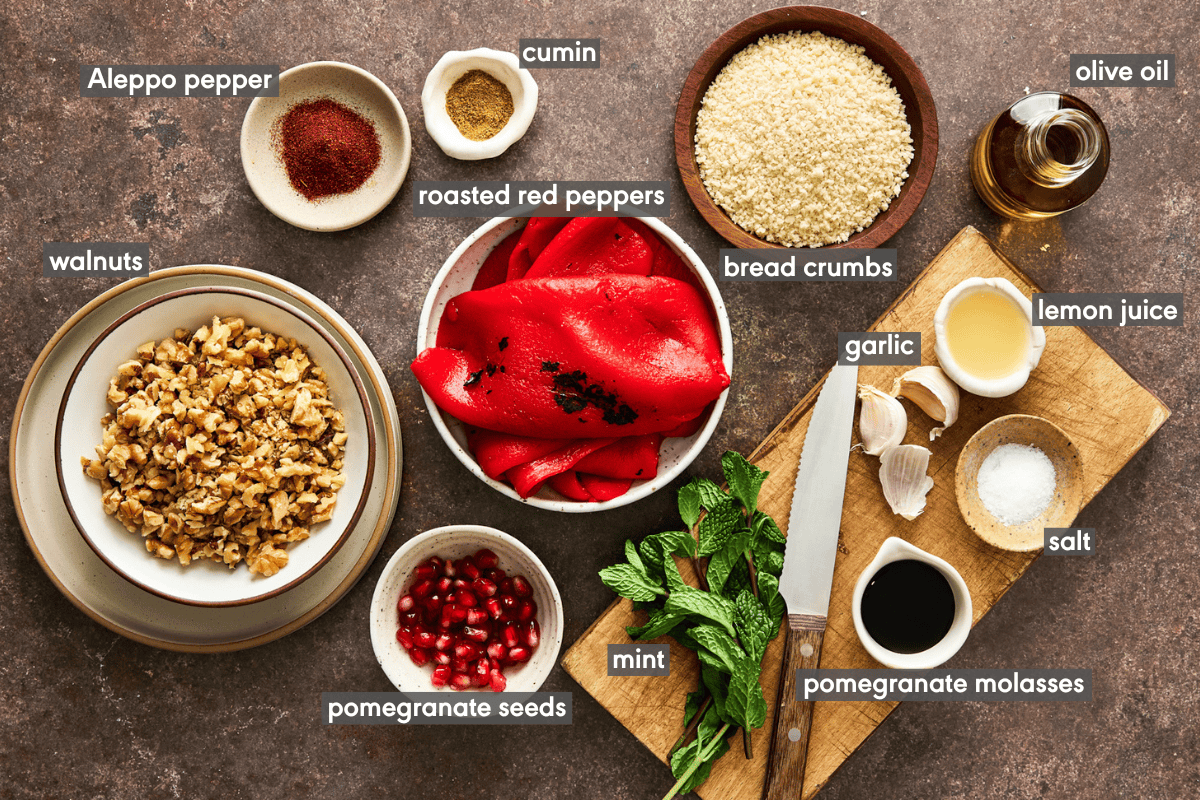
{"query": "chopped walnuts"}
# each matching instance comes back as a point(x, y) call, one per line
point(223, 444)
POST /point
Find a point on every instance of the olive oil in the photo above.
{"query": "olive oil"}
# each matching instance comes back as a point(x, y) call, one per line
point(1045, 154)
point(987, 334)
point(908, 607)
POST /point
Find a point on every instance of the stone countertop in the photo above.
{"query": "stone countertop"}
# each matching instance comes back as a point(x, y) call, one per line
point(86, 713)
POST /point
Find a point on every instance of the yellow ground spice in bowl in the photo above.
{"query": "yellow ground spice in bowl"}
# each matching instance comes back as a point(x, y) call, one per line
point(479, 104)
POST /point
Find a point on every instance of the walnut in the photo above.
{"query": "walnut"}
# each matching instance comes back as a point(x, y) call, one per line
point(222, 445)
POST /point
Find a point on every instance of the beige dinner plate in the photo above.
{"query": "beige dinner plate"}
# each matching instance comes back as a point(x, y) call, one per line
point(101, 593)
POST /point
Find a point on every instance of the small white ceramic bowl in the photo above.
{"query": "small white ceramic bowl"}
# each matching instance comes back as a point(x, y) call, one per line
point(896, 549)
point(985, 387)
point(500, 65)
point(452, 542)
point(352, 87)
point(205, 583)
point(456, 277)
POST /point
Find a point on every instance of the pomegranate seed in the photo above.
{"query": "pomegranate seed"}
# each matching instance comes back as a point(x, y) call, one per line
point(405, 637)
point(434, 603)
point(481, 673)
point(419, 656)
point(455, 613)
point(486, 559)
point(419, 626)
point(422, 589)
point(466, 598)
point(509, 636)
point(436, 562)
point(446, 624)
point(495, 575)
point(441, 658)
point(476, 616)
point(506, 585)
point(521, 587)
point(467, 568)
point(460, 682)
point(497, 680)
point(411, 618)
point(519, 653)
point(405, 603)
point(533, 634)
point(426, 571)
point(460, 665)
point(441, 676)
point(424, 639)
point(445, 641)
point(459, 583)
point(476, 634)
point(509, 603)
point(527, 610)
point(494, 609)
point(443, 585)
point(449, 569)
point(466, 651)
point(496, 651)
point(484, 587)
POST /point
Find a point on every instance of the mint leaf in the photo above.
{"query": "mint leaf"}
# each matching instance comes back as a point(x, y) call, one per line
point(768, 560)
point(629, 581)
point(720, 645)
point(700, 749)
point(674, 580)
point(659, 624)
point(765, 527)
point(687, 600)
point(689, 504)
point(744, 479)
point(753, 625)
point(745, 704)
point(711, 495)
point(718, 687)
point(631, 555)
point(717, 526)
point(723, 561)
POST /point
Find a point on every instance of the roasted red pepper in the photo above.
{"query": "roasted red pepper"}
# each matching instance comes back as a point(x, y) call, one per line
point(603, 488)
point(528, 478)
point(594, 246)
point(495, 267)
point(567, 484)
point(497, 453)
point(620, 355)
point(630, 457)
point(537, 233)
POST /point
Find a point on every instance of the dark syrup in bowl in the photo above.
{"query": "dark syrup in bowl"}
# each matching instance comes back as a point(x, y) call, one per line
point(908, 607)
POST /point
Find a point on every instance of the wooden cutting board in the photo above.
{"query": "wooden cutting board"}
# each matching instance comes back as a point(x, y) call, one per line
point(1107, 414)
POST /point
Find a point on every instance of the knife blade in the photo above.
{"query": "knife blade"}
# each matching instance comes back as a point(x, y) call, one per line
point(807, 578)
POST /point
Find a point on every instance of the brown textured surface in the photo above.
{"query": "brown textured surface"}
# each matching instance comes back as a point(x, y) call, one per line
point(1106, 414)
point(84, 713)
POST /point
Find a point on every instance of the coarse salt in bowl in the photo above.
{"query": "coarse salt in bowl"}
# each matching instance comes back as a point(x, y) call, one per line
point(456, 277)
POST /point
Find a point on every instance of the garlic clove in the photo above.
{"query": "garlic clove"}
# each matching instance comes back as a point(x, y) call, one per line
point(882, 422)
point(933, 391)
point(902, 474)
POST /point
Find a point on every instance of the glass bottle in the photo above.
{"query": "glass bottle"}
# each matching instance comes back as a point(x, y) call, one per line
point(1045, 154)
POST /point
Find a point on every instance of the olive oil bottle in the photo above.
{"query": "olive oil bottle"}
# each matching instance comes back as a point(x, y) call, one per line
point(1045, 154)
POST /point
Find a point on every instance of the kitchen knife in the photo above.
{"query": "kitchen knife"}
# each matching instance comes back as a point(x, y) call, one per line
point(807, 577)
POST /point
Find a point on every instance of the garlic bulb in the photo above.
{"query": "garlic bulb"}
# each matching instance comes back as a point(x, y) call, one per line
point(933, 391)
point(905, 484)
point(882, 422)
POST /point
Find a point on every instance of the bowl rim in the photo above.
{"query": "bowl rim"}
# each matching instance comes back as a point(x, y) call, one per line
point(366, 211)
point(487, 532)
point(961, 486)
point(363, 400)
point(714, 58)
point(636, 492)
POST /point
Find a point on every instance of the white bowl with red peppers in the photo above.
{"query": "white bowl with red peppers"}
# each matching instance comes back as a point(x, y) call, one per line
point(458, 277)
point(466, 607)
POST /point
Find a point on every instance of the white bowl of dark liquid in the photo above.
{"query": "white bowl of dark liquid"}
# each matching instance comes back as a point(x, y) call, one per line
point(912, 610)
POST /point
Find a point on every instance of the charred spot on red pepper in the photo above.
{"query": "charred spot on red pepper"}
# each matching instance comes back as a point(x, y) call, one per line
point(573, 393)
point(473, 378)
point(491, 369)
point(549, 366)
point(504, 343)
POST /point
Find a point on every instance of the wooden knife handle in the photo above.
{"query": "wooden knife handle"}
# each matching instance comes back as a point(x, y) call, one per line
point(793, 718)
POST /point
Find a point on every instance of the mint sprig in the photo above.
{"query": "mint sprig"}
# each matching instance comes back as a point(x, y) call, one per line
point(737, 552)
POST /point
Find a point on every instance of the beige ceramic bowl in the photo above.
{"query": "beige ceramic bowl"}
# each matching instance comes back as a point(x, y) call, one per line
point(1068, 469)
point(353, 87)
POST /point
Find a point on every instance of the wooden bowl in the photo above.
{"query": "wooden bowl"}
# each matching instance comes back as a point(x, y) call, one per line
point(880, 48)
point(1068, 469)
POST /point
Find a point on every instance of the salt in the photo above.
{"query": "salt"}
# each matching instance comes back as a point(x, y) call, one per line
point(1016, 483)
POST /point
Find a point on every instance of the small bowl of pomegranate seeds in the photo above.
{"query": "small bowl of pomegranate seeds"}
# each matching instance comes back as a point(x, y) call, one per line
point(466, 607)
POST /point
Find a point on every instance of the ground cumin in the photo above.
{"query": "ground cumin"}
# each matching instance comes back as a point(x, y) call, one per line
point(479, 104)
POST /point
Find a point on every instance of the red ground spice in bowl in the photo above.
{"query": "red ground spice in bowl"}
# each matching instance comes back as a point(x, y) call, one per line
point(327, 148)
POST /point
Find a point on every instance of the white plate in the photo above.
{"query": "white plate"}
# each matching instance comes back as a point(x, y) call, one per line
point(206, 582)
point(456, 277)
point(117, 604)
